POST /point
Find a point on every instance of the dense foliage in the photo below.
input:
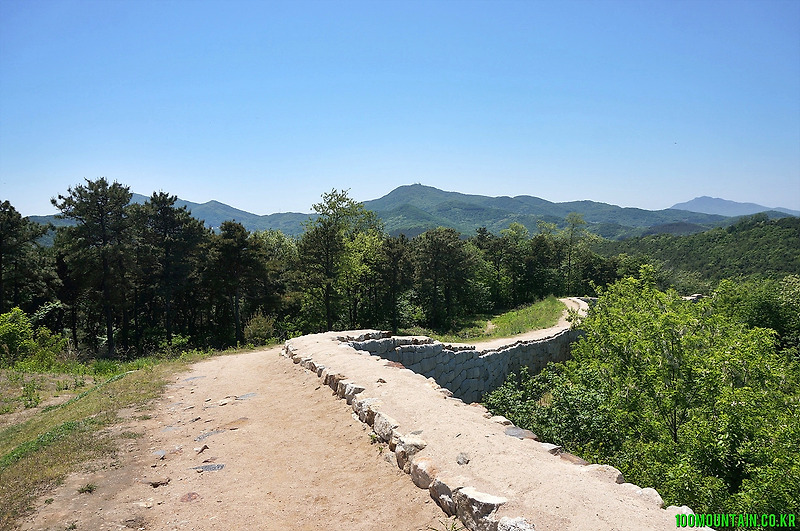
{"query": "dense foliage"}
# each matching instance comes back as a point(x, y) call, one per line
point(697, 399)
point(755, 246)
point(124, 279)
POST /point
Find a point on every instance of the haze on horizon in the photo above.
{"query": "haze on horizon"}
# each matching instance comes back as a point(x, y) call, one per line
point(266, 105)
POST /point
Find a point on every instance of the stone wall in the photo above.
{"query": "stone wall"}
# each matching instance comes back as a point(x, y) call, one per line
point(469, 372)
point(491, 475)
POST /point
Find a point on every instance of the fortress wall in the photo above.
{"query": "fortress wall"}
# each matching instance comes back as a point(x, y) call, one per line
point(469, 372)
point(491, 475)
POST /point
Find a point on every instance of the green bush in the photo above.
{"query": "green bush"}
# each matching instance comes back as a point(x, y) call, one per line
point(26, 349)
point(16, 337)
point(260, 329)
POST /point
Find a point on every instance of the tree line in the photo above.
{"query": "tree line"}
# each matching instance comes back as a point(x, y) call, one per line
point(129, 279)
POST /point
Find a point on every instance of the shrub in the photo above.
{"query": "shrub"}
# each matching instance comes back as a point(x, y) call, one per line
point(25, 349)
point(259, 329)
point(16, 337)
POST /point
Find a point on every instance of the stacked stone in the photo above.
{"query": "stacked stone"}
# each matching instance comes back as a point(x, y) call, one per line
point(454, 494)
point(476, 510)
point(467, 372)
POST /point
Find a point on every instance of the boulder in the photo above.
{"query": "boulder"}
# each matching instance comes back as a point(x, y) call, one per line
point(441, 491)
point(605, 471)
point(407, 447)
point(423, 472)
point(477, 509)
point(514, 524)
point(384, 426)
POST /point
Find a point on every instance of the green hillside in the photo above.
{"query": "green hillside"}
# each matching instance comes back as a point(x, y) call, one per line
point(409, 208)
point(753, 246)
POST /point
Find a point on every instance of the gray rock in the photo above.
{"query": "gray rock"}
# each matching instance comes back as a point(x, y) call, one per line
point(423, 472)
point(441, 491)
point(351, 390)
point(366, 408)
point(605, 471)
point(514, 524)
point(462, 458)
point(501, 420)
point(405, 450)
point(552, 448)
point(519, 433)
point(477, 509)
point(384, 426)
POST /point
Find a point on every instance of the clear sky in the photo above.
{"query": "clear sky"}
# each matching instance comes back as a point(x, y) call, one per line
point(265, 105)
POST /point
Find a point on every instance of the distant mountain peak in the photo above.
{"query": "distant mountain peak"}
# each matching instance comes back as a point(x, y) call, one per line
point(725, 207)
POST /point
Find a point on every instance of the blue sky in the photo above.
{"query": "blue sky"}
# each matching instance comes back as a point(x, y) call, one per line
point(266, 105)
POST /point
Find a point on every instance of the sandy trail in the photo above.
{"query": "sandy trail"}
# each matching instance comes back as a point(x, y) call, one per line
point(288, 457)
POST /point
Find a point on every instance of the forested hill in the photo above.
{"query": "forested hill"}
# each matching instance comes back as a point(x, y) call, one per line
point(213, 214)
point(723, 207)
point(413, 209)
point(754, 246)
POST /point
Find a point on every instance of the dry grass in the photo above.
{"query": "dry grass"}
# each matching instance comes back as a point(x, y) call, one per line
point(47, 443)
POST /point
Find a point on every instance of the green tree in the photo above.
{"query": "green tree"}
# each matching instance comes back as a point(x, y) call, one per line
point(20, 265)
point(573, 234)
point(169, 240)
point(323, 247)
point(515, 249)
point(442, 270)
point(100, 241)
point(237, 262)
point(396, 273)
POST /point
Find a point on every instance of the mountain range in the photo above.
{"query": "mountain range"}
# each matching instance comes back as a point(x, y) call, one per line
point(413, 209)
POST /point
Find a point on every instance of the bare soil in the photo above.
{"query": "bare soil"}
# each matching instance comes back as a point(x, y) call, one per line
point(278, 453)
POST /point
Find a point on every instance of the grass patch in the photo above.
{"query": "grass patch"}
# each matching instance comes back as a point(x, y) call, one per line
point(37, 453)
point(87, 489)
point(542, 314)
point(45, 444)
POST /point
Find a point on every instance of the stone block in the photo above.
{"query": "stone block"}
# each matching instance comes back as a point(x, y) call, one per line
point(604, 471)
point(341, 387)
point(366, 408)
point(441, 491)
point(332, 381)
point(351, 390)
point(384, 426)
point(514, 524)
point(552, 448)
point(423, 472)
point(427, 365)
point(477, 509)
point(405, 450)
point(501, 420)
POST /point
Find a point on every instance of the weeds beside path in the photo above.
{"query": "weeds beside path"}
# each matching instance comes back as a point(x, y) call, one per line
point(537, 316)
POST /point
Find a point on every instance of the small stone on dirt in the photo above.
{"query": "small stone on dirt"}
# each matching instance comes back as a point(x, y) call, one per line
point(190, 497)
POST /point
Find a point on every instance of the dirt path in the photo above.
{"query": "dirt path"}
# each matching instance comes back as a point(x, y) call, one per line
point(281, 454)
point(571, 303)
